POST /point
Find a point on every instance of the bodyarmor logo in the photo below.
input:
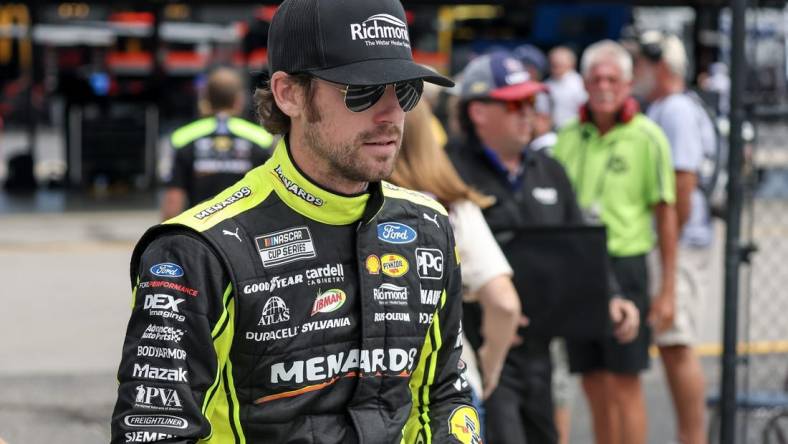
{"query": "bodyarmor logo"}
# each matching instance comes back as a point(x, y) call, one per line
point(242, 193)
point(274, 311)
point(393, 361)
point(296, 189)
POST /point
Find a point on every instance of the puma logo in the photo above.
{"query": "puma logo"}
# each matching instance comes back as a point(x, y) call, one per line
point(230, 233)
point(433, 219)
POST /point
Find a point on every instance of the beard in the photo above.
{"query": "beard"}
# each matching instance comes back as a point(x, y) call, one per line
point(349, 160)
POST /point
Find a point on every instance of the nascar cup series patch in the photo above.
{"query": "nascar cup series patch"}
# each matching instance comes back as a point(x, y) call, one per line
point(464, 425)
point(285, 246)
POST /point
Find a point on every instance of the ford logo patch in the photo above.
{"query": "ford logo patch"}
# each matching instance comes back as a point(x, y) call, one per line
point(167, 269)
point(396, 233)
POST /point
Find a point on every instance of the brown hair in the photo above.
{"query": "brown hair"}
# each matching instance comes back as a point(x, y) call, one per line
point(423, 165)
point(271, 117)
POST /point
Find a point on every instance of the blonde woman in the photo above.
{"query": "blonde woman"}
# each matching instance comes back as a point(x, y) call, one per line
point(486, 275)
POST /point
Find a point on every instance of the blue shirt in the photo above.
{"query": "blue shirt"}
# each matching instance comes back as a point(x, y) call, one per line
point(692, 138)
point(514, 179)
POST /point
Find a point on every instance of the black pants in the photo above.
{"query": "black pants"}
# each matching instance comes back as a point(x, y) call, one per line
point(520, 410)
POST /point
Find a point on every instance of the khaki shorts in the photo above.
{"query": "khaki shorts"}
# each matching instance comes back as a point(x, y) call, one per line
point(692, 283)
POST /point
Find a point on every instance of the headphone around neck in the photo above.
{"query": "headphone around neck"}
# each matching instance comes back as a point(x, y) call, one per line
point(626, 113)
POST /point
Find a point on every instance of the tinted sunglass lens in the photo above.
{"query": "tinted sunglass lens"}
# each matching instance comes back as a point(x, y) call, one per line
point(360, 98)
point(409, 93)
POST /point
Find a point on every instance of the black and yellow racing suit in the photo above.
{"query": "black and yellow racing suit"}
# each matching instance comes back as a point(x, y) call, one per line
point(281, 312)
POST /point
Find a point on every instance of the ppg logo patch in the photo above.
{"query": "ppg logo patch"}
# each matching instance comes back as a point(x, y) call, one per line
point(285, 246)
point(429, 263)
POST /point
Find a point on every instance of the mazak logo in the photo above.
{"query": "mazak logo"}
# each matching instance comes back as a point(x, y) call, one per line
point(242, 193)
point(167, 269)
point(163, 333)
point(162, 374)
point(328, 301)
point(274, 311)
point(429, 263)
point(381, 29)
point(392, 361)
point(296, 189)
point(390, 294)
point(396, 233)
point(285, 246)
point(168, 421)
point(157, 397)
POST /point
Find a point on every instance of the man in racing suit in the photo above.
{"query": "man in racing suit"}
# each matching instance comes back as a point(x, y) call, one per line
point(309, 302)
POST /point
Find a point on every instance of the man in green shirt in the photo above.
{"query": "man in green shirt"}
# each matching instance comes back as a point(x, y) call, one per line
point(620, 166)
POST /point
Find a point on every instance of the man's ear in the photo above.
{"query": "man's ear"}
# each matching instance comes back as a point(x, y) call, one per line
point(476, 113)
point(288, 94)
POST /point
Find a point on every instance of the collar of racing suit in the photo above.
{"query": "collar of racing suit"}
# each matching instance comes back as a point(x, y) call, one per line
point(304, 196)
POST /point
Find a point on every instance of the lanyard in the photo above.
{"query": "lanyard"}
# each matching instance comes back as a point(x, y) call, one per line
point(583, 166)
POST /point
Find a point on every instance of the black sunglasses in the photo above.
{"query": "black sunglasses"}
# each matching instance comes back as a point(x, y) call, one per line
point(360, 98)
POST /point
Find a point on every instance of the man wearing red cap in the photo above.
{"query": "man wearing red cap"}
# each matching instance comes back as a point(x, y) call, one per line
point(531, 189)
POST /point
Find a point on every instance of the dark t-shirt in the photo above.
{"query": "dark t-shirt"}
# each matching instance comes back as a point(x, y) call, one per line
point(215, 152)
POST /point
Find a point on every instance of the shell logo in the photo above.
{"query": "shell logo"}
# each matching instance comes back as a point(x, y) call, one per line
point(394, 265)
point(373, 264)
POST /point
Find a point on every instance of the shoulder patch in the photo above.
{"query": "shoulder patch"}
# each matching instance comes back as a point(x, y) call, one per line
point(251, 132)
point(393, 191)
point(242, 196)
point(193, 131)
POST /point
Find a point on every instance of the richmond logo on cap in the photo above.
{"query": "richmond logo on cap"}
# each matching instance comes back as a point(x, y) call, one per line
point(381, 29)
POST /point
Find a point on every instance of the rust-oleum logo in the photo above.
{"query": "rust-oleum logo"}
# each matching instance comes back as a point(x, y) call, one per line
point(242, 193)
point(296, 189)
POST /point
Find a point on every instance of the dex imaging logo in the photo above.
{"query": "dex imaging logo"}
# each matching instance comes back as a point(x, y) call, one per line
point(381, 30)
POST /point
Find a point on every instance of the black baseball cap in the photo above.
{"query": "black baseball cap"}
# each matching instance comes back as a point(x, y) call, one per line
point(357, 42)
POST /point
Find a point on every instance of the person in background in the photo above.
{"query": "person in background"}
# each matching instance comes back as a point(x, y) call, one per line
point(565, 85)
point(486, 275)
point(214, 152)
point(533, 59)
point(662, 65)
point(544, 135)
point(530, 189)
point(620, 166)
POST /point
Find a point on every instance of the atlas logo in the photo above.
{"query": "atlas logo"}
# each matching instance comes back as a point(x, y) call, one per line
point(429, 263)
point(381, 26)
point(167, 269)
point(396, 233)
point(274, 311)
point(328, 301)
point(157, 397)
point(162, 374)
point(393, 361)
point(169, 421)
